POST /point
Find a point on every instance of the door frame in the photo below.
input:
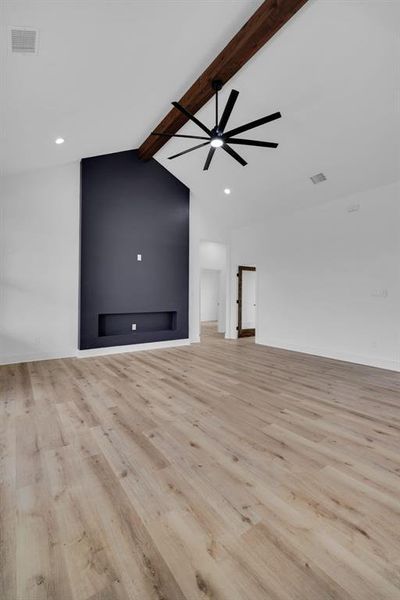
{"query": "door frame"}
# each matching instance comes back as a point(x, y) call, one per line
point(242, 332)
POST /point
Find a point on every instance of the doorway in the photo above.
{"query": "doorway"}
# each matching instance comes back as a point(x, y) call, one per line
point(211, 315)
point(209, 295)
point(212, 312)
point(246, 301)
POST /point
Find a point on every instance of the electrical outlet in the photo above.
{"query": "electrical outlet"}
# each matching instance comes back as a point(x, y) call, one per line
point(139, 257)
point(353, 208)
point(133, 326)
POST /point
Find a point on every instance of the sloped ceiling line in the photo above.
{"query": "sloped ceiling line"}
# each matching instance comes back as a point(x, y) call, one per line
point(262, 25)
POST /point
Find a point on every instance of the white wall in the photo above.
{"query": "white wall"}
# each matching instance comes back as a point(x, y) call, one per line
point(209, 297)
point(39, 264)
point(212, 255)
point(318, 271)
point(328, 279)
point(39, 253)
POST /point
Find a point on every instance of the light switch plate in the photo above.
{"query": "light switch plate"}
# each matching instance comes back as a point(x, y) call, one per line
point(139, 257)
point(133, 326)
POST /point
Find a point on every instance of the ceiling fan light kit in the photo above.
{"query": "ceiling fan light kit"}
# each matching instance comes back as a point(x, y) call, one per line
point(217, 137)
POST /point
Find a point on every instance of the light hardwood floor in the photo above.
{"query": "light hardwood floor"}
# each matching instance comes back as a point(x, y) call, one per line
point(220, 471)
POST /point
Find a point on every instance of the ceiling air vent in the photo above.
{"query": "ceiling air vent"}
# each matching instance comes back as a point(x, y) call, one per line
point(24, 40)
point(318, 178)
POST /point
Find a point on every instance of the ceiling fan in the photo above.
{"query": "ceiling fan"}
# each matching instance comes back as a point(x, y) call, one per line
point(217, 137)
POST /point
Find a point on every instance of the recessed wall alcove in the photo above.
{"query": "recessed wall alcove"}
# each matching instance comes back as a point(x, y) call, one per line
point(122, 323)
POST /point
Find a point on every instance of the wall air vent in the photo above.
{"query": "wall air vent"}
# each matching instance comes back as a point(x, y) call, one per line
point(24, 40)
point(318, 178)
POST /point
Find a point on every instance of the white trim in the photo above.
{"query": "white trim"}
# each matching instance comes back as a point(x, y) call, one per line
point(231, 337)
point(132, 348)
point(370, 361)
point(25, 358)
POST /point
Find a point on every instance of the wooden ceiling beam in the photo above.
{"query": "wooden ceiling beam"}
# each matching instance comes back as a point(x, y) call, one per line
point(262, 25)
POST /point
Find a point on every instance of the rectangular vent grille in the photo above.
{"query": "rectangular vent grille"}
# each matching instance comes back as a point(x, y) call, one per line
point(318, 178)
point(23, 40)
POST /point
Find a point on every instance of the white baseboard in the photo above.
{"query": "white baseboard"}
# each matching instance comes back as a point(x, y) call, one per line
point(26, 358)
point(370, 361)
point(35, 357)
point(230, 337)
point(132, 348)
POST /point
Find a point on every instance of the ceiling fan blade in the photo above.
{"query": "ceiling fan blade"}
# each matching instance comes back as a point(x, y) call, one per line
point(253, 124)
point(234, 155)
point(209, 159)
point(191, 117)
point(189, 150)
point(252, 143)
point(228, 109)
point(194, 137)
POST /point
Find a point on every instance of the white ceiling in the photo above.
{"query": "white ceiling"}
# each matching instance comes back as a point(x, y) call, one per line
point(107, 70)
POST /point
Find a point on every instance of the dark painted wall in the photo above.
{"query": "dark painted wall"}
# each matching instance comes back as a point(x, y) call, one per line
point(131, 207)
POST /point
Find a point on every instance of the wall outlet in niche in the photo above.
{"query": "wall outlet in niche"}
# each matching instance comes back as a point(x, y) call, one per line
point(133, 326)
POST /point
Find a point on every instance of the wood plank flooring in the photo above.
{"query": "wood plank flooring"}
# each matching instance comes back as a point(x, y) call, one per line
point(219, 471)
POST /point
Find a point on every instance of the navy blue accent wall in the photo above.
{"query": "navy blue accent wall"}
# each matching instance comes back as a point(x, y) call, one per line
point(131, 207)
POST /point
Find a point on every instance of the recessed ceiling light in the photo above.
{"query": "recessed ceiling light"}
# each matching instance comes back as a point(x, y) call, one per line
point(59, 140)
point(227, 191)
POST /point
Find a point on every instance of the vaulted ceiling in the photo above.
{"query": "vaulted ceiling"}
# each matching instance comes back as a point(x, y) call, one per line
point(332, 73)
point(106, 73)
